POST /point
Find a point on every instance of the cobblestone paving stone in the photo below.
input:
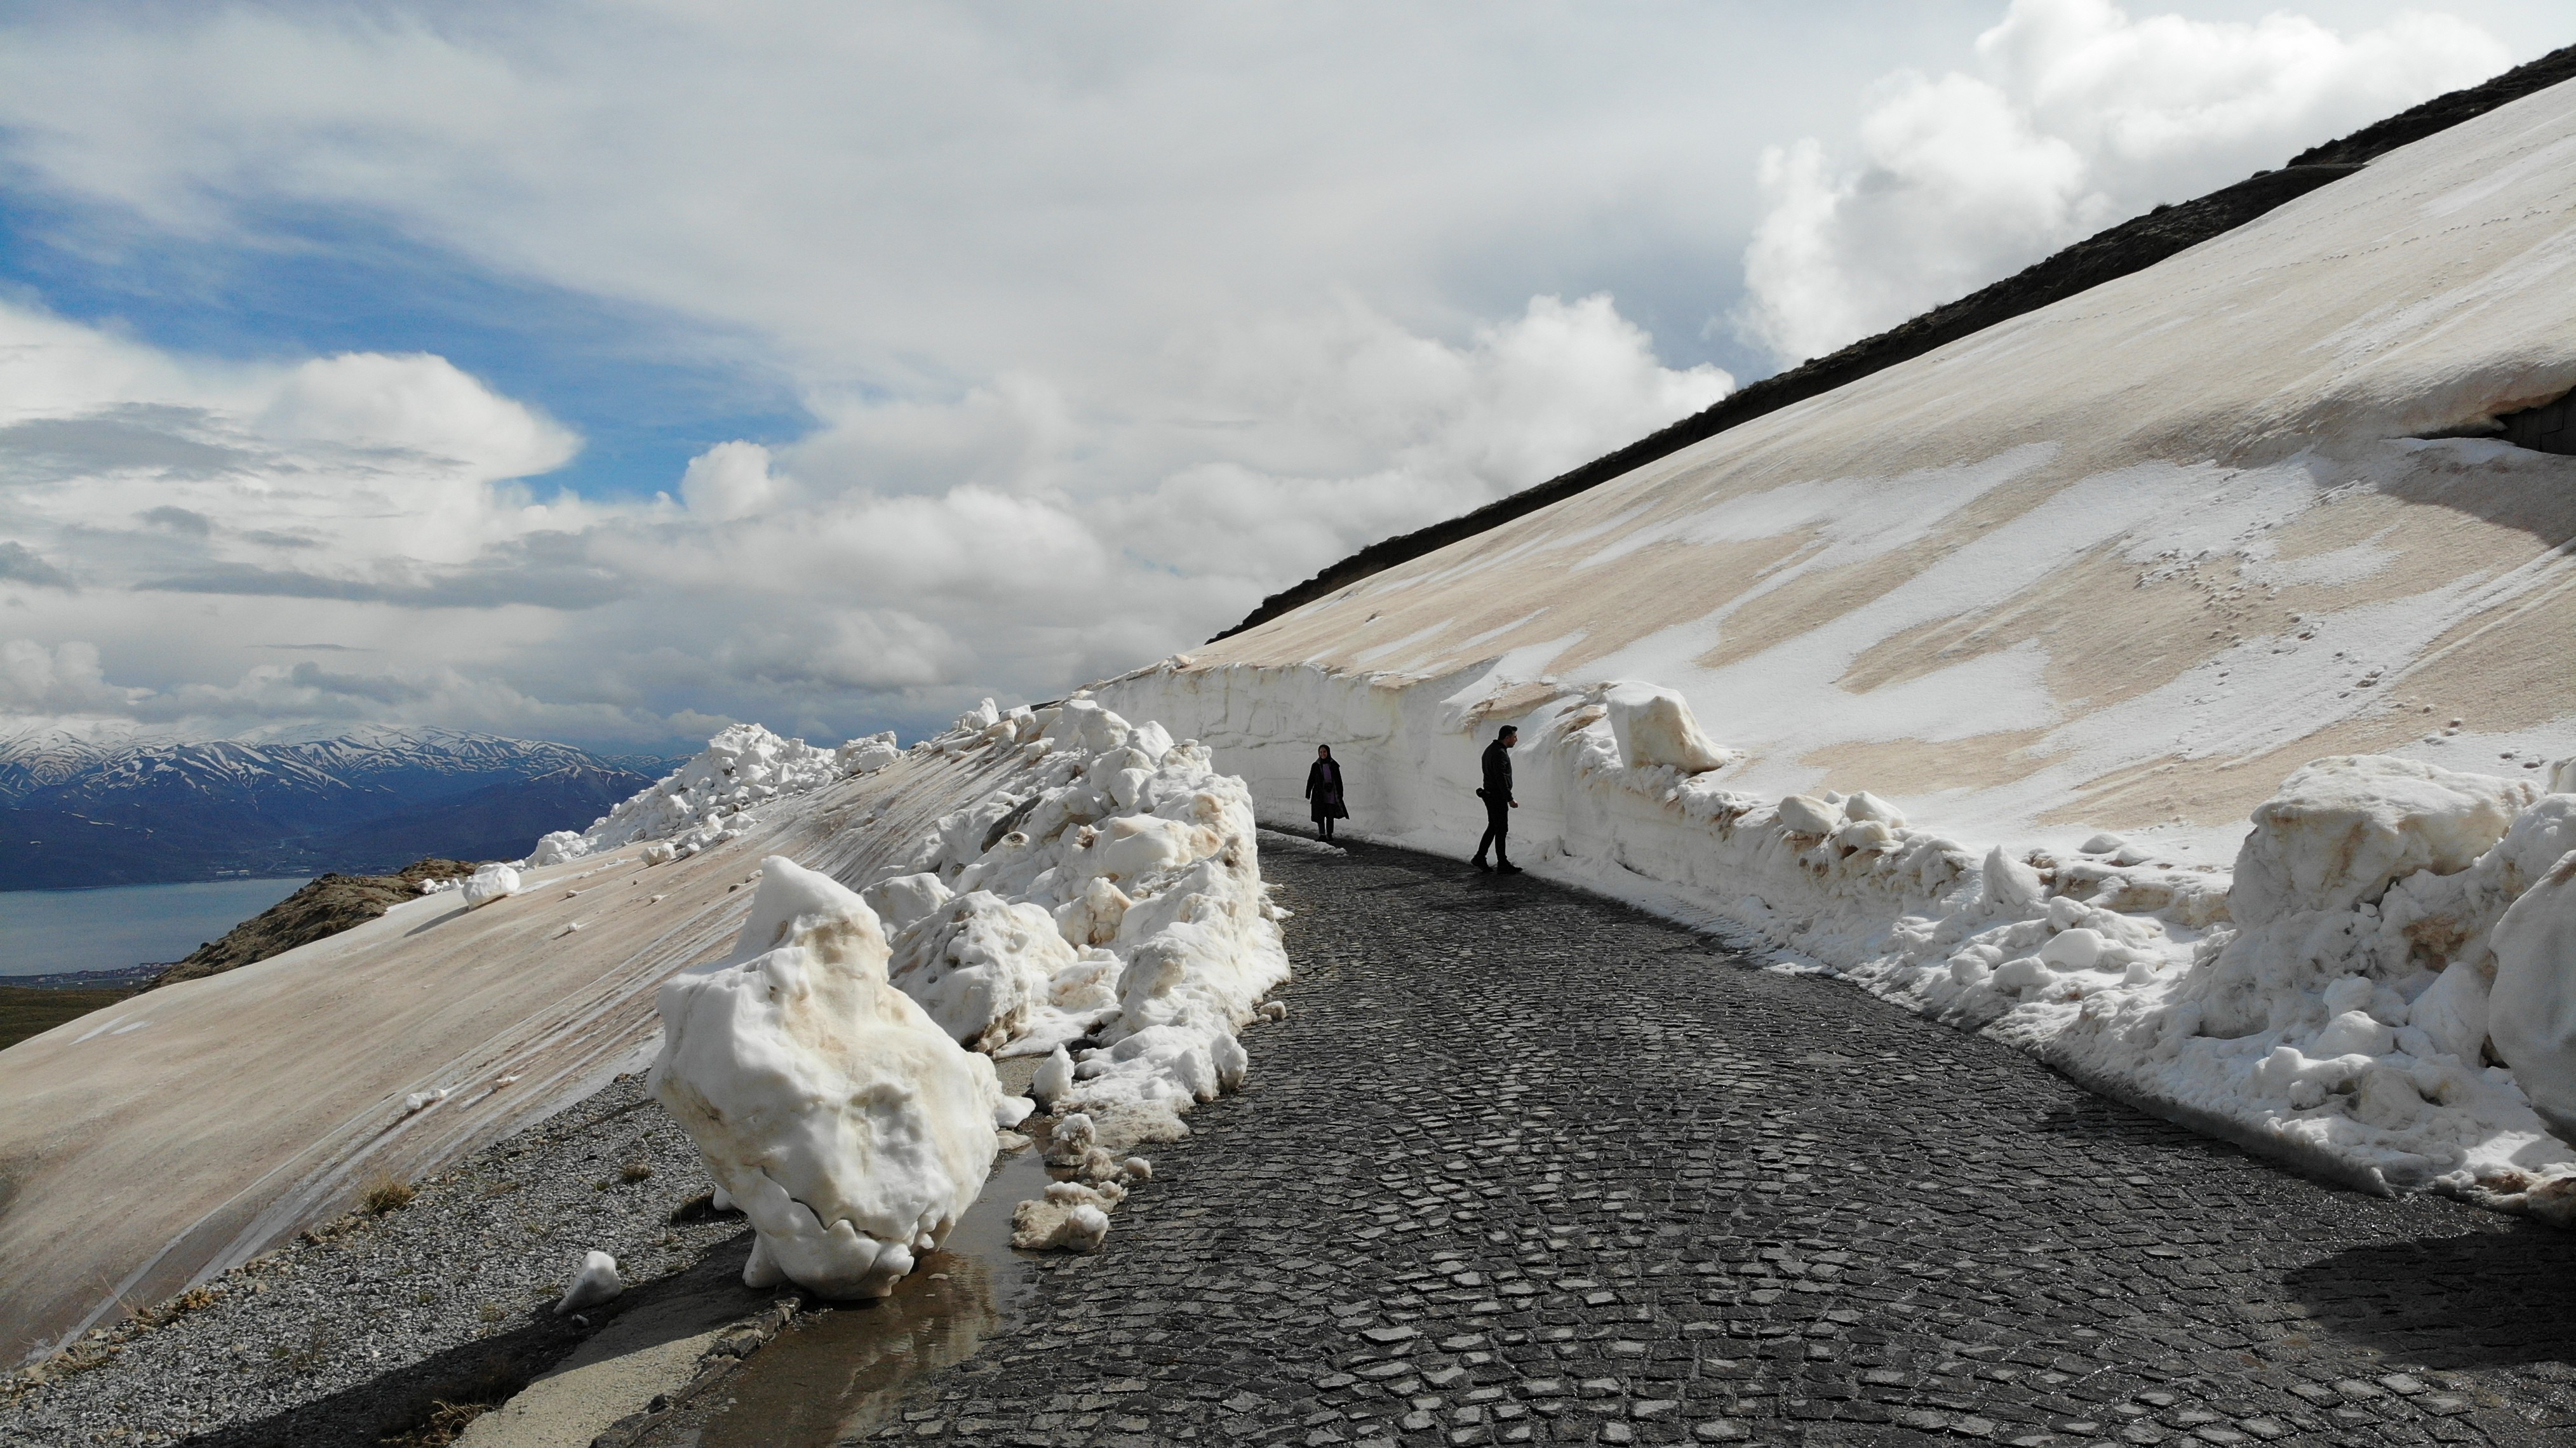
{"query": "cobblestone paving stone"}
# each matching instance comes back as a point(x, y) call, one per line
point(1526, 1166)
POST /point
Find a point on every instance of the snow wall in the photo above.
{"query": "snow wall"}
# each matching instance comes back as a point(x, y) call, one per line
point(1992, 681)
point(2342, 1025)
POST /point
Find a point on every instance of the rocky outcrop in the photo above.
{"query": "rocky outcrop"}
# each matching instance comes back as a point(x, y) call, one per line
point(325, 907)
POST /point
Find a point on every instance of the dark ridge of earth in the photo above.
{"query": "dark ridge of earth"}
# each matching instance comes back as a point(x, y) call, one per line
point(2132, 246)
point(32, 1010)
point(322, 908)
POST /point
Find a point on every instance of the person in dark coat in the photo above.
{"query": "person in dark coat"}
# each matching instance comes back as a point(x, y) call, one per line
point(1499, 804)
point(1324, 791)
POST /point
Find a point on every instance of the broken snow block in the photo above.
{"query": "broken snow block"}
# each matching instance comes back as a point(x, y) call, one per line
point(595, 1283)
point(980, 964)
point(1048, 1225)
point(492, 882)
point(2532, 1011)
point(846, 1124)
point(1802, 815)
point(2342, 828)
point(1654, 726)
point(2010, 888)
point(2453, 1012)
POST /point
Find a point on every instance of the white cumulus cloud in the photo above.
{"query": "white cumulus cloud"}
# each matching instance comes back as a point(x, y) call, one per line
point(357, 538)
point(1111, 320)
point(2082, 116)
point(63, 679)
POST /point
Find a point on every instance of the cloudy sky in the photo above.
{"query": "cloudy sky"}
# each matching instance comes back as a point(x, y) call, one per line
point(609, 372)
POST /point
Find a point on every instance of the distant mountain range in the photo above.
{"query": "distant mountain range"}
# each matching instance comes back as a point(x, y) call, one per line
point(77, 812)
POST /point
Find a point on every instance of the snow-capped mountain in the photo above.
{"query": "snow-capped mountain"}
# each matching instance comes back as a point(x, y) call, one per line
point(33, 759)
point(80, 811)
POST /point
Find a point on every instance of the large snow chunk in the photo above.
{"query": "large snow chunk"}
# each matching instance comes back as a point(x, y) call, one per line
point(2009, 888)
point(1092, 917)
point(1051, 1225)
point(596, 1282)
point(980, 964)
point(2452, 1013)
point(2076, 949)
point(2342, 828)
point(1864, 805)
point(867, 756)
point(1654, 726)
point(1131, 847)
point(2352, 1033)
point(843, 1121)
point(906, 900)
point(556, 848)
point(1805, 815)
point(2541, 836)
point(492, 882)
point(2533, 1014)
point(1082, 724)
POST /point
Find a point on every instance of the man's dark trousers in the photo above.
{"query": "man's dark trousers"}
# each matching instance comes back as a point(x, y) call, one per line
point(1498, 823)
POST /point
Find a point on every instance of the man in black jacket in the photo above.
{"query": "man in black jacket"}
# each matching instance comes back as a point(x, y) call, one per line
point(1499, 803)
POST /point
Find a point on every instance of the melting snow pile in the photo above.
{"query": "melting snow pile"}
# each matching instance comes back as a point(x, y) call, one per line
point(834, 1112)
point(709, 799)
point(2385, 991)
point(1098, 901)
point(1073, 1216)
point(2340, 1012)
point(1107, 887)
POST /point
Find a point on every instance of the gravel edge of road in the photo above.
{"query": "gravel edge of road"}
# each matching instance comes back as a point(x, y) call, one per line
point(359, 1329)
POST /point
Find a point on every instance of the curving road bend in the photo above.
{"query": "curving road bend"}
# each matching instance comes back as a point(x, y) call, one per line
point(1526, 1166)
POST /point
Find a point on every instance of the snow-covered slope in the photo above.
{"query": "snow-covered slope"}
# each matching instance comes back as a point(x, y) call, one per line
point(2073, 596)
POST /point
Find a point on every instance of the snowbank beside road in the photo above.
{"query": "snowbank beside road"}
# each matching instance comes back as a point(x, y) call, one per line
point(1099, 887)
point(709, 800)
point(2327, 1003)
point(1109, 885)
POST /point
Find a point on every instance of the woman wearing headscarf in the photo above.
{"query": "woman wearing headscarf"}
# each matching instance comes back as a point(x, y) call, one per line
point(1324, 791)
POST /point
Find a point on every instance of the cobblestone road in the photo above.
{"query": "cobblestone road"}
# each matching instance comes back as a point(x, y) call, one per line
point(1523, 1166)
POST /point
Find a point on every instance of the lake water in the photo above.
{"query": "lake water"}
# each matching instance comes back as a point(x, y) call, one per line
point(42, 931)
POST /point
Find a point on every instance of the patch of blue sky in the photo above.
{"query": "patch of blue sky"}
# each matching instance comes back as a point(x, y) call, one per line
point(647, 389)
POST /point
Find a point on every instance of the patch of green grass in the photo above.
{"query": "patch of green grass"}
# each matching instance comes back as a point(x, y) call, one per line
point(27, 1010)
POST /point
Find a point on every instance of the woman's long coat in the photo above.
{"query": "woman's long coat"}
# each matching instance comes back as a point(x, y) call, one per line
point(1324, 791)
